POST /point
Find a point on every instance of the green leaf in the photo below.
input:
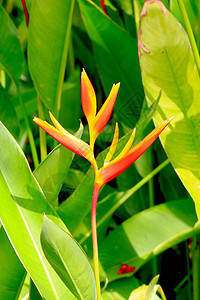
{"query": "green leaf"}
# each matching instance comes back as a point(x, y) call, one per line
point(52, 172)
point(33, 292)
point(69, 261)
point(11, 56)
point(167, 62)
point(70, 112)
point(163, 226)
point(120, 289)
point(12, 272)
point(141, 294)
point(22, 207)
point(115, 63)
point(8, 115)
point(49, 32)
point(29, 99)
point(148, 292)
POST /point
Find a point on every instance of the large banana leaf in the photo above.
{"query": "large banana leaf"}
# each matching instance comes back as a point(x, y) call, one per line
point(22, 207)
point(11, 56)
point(147, 234)
point(49, 32)
point(167, 62)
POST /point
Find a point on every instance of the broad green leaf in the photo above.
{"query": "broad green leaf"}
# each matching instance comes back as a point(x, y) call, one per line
point(115, 63)
point(25, 288)
point(11, 56)
point(120, 289)
point(22, 207)
point(147, 234)
point(167, 62)
point(52, 172)
point(74, 210)
point(33, 292)
point(70, 112)
point(29, 99)
point(69, 261)
point(49, 32)
point(12, 272)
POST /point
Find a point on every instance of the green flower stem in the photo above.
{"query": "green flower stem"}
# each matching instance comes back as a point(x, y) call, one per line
point(137, 10)
point(152, 203)
point(30, 134)
point(94, 238)
point(123, 196)
point(196, 269)
point(43, 143)
point(190, 33)
point(198, 28)
point(9, 6)
point(71, 57)
point(188, 271)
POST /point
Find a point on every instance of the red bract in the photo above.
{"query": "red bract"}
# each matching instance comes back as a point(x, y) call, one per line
point(124, 269)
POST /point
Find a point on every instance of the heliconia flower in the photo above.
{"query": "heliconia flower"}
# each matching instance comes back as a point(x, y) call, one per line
point(97, 122)
point(112, 169)
point(65, 138)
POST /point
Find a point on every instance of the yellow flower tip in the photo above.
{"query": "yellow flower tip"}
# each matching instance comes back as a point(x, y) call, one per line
point(38, 121)
point(113, 145)
point(83, 74)
point(127, 146)
point(169, 120)
point(115, 89)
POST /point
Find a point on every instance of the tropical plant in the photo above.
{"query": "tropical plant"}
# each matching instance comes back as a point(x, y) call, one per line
point(145, 220)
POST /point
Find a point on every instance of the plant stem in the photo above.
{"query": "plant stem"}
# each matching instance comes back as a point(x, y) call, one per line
point(196, 270)
point(94, 238)
point(30, 134)
point(198, 28)
point(25, 11)
point(43, 144)
point(151, 204)
point(190, 33)
point(71, 57)
point(137, 10)
point(9, 6)
point(188, 271)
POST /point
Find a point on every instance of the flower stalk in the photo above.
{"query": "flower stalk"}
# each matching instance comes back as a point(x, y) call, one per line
point(96, 191)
